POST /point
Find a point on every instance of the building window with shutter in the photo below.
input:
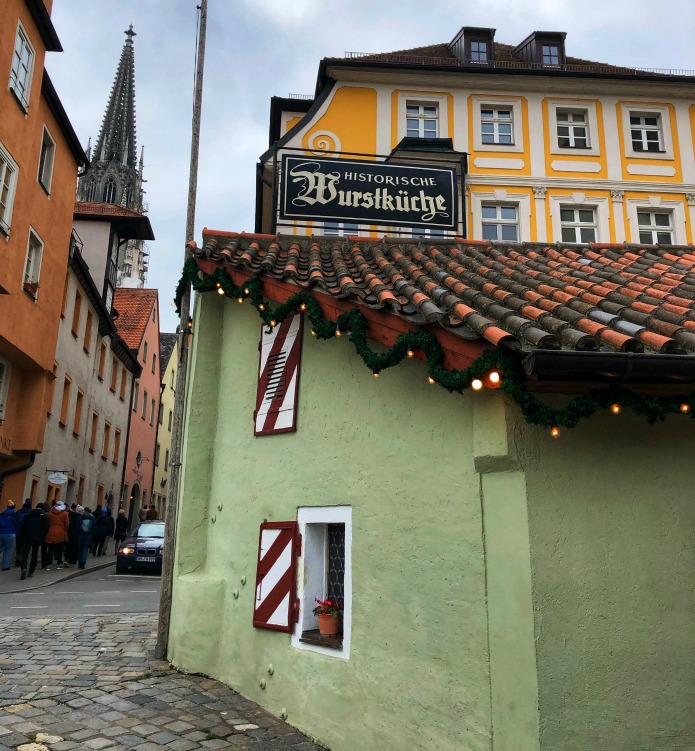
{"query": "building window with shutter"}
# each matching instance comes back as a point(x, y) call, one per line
point(325, 569)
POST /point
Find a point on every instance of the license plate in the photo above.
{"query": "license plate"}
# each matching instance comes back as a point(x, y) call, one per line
point(147, 559)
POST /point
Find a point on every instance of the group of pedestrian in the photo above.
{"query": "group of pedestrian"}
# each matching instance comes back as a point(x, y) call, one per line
point(61, 534)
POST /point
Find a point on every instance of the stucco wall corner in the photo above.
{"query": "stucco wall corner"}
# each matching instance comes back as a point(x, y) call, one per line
point(493, 444)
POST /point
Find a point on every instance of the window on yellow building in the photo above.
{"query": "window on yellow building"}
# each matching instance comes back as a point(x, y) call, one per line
point(572, 129)
point(32, 266)
point(646, 132)
point(339, 229)
point(577, 224)
point(22, 67)
point(500, 222)
point(655, 227)
point(422, 119)
point(497, 125)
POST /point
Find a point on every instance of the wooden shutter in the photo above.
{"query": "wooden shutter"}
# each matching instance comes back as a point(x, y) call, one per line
point(278, 377)
point(274, 606)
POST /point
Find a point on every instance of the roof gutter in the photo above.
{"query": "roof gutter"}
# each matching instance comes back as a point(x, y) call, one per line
point(631, 367)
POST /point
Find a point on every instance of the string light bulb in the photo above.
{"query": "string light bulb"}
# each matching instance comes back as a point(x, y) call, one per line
point(302, 307)
point(430, 380)
point(261, 307)
point(616, 409)
point(494, 377)
point(247, 291)
point(685, 408)
point(240, 299)
point(220, 291)
point(338, 332)
point(476, 384)
point(313, 333)
point(555, 431)
point(273, 323)
point(410, 353)
point(375, 374)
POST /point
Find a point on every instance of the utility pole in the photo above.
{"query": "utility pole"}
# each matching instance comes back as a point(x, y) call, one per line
point(181, 376)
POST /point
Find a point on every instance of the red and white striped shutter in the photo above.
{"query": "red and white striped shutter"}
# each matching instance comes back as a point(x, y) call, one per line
point(274, 607)
point(278, 377)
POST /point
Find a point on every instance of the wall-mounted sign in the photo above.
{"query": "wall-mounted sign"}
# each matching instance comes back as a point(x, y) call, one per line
point(346, 190)
point(57, 478)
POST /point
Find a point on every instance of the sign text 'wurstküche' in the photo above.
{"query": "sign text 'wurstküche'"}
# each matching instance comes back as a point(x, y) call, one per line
point(346, 190)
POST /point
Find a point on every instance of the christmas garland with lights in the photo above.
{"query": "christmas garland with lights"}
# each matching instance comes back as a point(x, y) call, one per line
point(495, 368)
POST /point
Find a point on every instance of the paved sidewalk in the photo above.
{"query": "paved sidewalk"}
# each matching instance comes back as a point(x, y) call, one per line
point(10, 581)
point(84, 684)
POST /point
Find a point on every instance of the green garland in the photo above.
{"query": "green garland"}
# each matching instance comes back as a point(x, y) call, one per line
point(354, 325)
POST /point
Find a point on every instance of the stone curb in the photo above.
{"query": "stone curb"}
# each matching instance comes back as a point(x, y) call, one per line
point(64, 577)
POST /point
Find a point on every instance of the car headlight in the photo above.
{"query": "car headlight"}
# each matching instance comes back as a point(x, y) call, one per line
point(127, 551)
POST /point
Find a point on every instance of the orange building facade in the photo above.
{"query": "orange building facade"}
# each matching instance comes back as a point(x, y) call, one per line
point(40, 156)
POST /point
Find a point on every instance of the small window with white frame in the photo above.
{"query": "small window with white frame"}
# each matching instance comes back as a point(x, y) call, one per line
point(5, 369)
point(655, 226)
point(422, 119)
point(22, 67)
point(497, 125)
point(46, 159)
point(500, 222)
point(572, 129)
point(325, 574)
point(8, 184)
point(578, 224)
point(32, 266)
point(646, 132)
point(340, 228)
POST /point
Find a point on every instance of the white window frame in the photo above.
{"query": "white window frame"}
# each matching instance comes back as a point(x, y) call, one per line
point(643, 109)
point(499, 220)
point(32, 263)
point(427, 98)
point(577, 224)
point(496, 121)
point(311, 573)
point(600, 205)
point(5, 372)
point(46, 160)
point(8, 166)
point(586, 106)
point(522, 201)
point(340, 229)
point(653, 228)
point(656, 203)
point(479, 103)
point(421, 118)
point(15, 83)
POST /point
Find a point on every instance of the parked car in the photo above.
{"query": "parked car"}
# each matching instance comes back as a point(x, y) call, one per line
point(142, 548)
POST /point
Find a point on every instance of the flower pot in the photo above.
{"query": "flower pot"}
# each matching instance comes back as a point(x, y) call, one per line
point(329, 625)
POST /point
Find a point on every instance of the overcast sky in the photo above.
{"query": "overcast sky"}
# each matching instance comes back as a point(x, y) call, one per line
point(260, 48)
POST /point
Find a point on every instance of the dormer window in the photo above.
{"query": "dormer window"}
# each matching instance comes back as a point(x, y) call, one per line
point(479, 51)
point(551, 54)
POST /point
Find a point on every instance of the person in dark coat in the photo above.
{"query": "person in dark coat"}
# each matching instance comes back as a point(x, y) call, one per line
point(85, 536)
point(8, 534)
point(102, 531)
point(96, 514)
point(73, 525)
point(152, 514)
point(19, 516)
point(121, 530)
point(33, 532)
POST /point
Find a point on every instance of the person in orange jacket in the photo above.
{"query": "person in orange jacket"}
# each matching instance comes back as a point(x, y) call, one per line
point(57, 535)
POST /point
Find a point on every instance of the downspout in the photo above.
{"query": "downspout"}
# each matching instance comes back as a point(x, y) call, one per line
point(15, 470)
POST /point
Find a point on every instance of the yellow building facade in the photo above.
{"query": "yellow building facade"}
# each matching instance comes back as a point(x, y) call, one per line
point(555, 149)
point(168, 347)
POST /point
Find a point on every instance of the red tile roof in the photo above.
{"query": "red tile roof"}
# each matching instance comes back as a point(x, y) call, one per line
point(134, 308)
point(138, 225)
point(624, 298)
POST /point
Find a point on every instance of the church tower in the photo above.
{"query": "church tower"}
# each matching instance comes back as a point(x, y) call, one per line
point(115, 175)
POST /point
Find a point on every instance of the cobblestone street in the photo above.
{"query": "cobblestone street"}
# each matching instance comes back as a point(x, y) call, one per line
point(81, 684)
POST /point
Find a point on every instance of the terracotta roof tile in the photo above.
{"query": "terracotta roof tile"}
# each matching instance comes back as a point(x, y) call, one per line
point(583, 297)
point(134, 308)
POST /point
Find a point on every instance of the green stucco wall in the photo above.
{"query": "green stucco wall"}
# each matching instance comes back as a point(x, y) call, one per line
point(612, 531)
point(397, 450)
